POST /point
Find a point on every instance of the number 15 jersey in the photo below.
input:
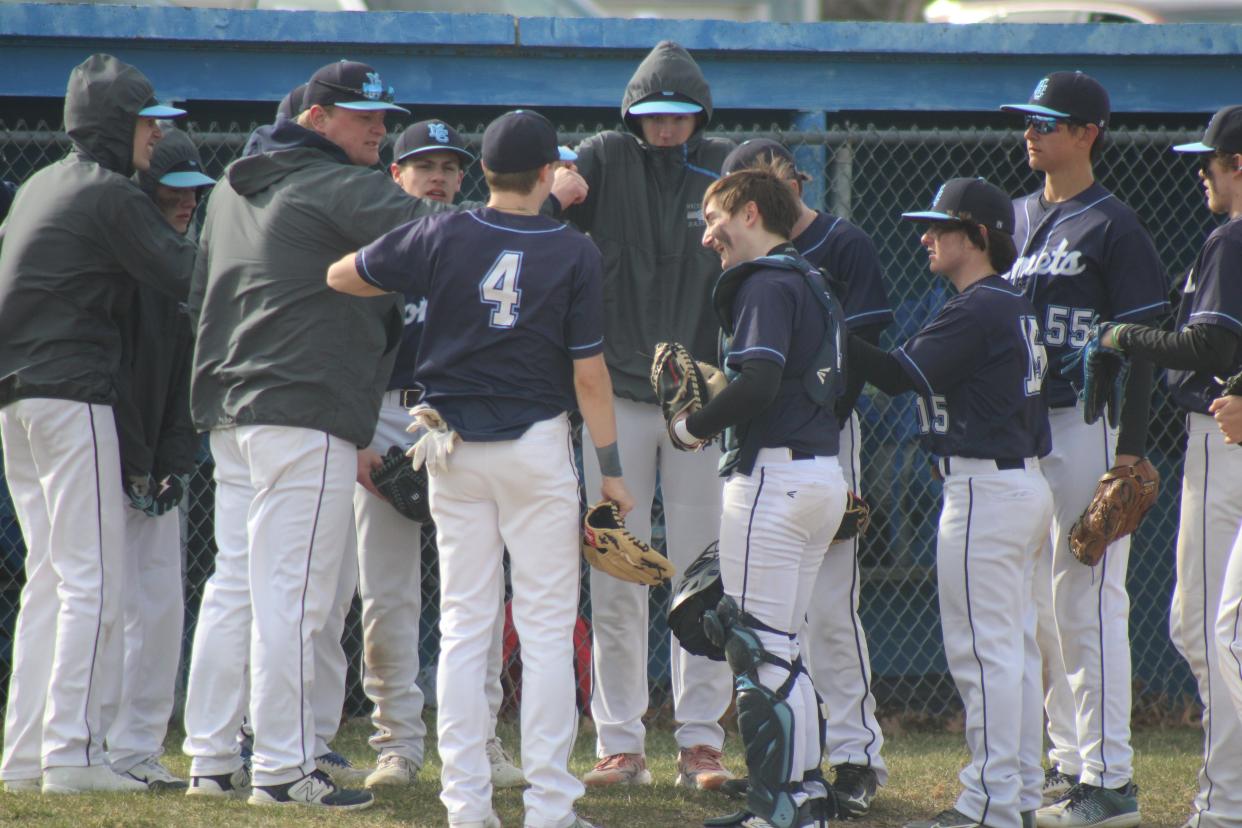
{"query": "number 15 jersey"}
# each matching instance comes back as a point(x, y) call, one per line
point(512, 300)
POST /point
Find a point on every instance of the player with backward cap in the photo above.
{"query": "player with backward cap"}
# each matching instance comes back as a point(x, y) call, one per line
point(429, 161)
point(513, 340)
point(158, 453)
point(1207, 600)
point(644, 211)
point(834, 640)
point(1083, 256)
point(80, 235)
point(978, 368)
point(784, 493)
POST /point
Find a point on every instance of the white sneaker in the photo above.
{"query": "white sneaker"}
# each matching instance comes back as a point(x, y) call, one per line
point(505, 774)
point(233, 785)
point(152, 773)
point(82, 780)
point(23, 786)
point(316, 790)
point(342, 771)
point(492, 821)
point(395, 770)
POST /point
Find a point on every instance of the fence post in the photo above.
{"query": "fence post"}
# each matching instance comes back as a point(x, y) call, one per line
point(841, 178)
point(811, 158)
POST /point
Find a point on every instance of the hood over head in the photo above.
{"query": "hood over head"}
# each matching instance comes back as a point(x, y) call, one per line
point(104, 98)
point(667, 73)
point(271, 163)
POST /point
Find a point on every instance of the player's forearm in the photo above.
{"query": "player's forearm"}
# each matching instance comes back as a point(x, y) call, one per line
point(876, 366)
point(1207, 348)
point(1135, 409)
point(593, 389)
point(742, 400)
point(343, 276)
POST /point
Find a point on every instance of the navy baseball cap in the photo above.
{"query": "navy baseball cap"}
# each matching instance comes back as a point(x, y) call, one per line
point(522, 140)
point(747, 153)
point(430, 136)
point(666, 103)
point(971, 200)
point(290, 105)
point(350, 85)
point(1071, 95)
point(1224, 133)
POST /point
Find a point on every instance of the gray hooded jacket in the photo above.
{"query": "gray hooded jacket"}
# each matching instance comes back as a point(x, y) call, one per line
point(78, 231)
point(645, 213)
point(275, 345)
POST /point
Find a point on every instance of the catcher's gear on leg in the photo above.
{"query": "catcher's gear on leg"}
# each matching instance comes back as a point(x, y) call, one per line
point(682, 386)
point(1102, 376)
point(1122, 497)
point(856, 519)
point(434, 447)
point(699, 590)
point(609, 546)
point(402, 485)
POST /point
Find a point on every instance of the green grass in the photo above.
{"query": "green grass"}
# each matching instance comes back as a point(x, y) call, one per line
point(923, 769)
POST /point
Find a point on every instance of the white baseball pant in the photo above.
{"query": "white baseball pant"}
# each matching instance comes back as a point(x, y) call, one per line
point(291, 489)
point(1204, 608)
point(330, 661)
point(63, 466)
point(691, 489)
point(154, 613)
point(1084, 616)
point(774, 532)
point(992, 529)
point(522, 494)
point(835, 644)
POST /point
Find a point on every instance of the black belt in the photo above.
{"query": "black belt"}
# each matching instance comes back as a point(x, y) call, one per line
point(794, 454)
point(410, 397)
point(1002, 463)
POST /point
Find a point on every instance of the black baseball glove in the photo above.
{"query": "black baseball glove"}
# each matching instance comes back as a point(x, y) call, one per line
point(403, 486)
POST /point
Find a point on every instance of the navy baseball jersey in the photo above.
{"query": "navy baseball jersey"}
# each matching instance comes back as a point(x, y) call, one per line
point(414, 315)
point(1080, 259)
point(1212, 296)
point(776, 318)
point(845, 252)
point(978, 367)
point(512, 300)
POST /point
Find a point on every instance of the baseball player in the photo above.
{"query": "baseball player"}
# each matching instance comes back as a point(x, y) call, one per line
point(513, 339)
point(279, 381)
point(784, 493)
point(644, 212)
point(1082, 256)
point(835, 644)
point(978, 368)
point(1207, 600)
point(158, 447)
point(429, 161)
point(79, 237)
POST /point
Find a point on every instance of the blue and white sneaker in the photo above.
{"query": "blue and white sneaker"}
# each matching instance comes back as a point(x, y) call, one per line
point(233, 785)
point(316, 790)
point(342, 771)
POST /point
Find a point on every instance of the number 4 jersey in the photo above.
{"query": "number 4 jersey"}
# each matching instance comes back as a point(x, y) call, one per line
point(512, 300)
point(978, 367)
point(1080, 259)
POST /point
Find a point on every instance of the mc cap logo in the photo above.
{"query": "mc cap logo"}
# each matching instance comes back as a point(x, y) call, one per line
point(1040, 90)
point(438, 132)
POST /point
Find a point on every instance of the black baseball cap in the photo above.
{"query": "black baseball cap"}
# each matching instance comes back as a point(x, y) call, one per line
point(522, 140)
point(971, 200)
point(349, 85)
point(429, 136)
point(1224, 133)
point(746, 154)
point(290, 105)
point(1071, 95)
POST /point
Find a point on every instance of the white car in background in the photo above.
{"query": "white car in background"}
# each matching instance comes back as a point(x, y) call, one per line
point(1083, 11)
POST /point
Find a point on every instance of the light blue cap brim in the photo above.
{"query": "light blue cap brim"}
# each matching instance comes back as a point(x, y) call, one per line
point(161, 111)
point(186, 180)
point(928, 215)
point(658, 107)
point(1035, 109)
point(466, 155)
point(1197, 146)
point(567, 154)
point(371, 106)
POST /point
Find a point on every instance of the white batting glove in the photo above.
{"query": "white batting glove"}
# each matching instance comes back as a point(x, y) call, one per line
point(436, 444)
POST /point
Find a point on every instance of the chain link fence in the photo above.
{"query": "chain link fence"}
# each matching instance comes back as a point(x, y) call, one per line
point(868, 175)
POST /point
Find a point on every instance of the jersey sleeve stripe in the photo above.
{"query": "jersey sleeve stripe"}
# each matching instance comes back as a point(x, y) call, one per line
point(779, 356)
point(823, 239)
point(594, 344)
point(1146, 310)
point(360, 264)
point(1215, 316)
point(885, 312)
point(913, 370)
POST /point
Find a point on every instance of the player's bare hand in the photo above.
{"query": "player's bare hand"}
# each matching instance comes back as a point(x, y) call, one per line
point(1126, 459)
point(613, 488)
point(569, 186)
point(368, 460)
point(1228, 414)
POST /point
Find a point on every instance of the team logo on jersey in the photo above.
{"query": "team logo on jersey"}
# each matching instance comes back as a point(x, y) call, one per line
point(1060, 261)
point(823, 374)
point(1190, 286)
point(438, 132)
point(1040, 89)
point(416, 312)
point(694, 214)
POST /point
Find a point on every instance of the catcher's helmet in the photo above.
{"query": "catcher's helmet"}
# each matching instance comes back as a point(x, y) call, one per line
point(700, 589)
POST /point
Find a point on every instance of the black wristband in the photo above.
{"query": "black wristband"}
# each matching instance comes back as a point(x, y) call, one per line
point(609, 457)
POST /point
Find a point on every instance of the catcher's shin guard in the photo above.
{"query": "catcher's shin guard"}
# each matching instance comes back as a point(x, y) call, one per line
point(764, 717)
